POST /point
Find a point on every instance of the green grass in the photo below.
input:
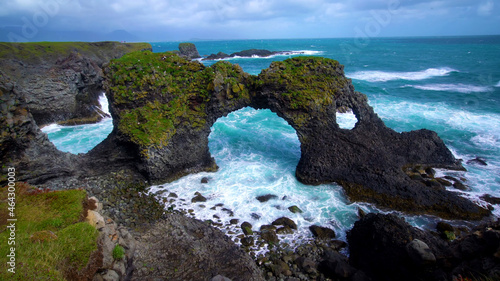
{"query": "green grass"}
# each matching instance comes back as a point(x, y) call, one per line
point(57, 212)
point(118, 252)
point(38, 52)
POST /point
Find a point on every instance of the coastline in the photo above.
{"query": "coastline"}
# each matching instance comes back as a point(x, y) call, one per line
point(124, 200)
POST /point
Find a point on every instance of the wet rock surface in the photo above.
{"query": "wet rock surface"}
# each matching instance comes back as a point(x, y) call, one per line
point(180, 248)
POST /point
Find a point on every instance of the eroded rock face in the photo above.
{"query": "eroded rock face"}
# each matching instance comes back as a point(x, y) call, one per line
point(23, 146)
point(61, 81)
point(163, 106)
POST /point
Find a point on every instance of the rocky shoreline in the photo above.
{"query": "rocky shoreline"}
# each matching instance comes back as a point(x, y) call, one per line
point(373, 163)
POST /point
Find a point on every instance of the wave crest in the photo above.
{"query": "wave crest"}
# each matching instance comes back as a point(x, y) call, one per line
point(384, 76)
point(458, 88)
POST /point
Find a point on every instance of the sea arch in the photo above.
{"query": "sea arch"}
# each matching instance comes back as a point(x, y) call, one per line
point(163, 107)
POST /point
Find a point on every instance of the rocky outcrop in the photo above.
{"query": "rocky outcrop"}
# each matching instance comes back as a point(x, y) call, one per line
point(251, 53)
point(163, 107)
point(387, 248)
point(189, 51)
point(181, 248)
point(23, 146)
point(61, 81)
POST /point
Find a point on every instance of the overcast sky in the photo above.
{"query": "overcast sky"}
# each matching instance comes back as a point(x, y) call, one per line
point(169, 20)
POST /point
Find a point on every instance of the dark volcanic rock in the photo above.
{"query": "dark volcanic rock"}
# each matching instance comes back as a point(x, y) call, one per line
point(218, 56)
point(322, 232)
point(491, 199)
point(24, 147)
point(189, 50)
point(367, 161)
point(378, 246)
point(194, 251)
point(61, 81)
point(284, 221)
point(265, 198)
point(385, 247)
point(478, 161)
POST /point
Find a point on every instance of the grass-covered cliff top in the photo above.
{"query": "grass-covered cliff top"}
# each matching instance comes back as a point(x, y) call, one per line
point(38, 52)
point(51, 241)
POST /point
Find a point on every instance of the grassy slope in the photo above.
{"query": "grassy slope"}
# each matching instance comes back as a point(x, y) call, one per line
point(39, 52)
point(59, 212)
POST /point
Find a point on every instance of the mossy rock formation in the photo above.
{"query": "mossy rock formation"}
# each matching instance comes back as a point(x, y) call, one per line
point(164, 106)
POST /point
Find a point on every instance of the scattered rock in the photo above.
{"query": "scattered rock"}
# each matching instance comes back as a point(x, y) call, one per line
point(460, 186)
point(229, 212)
point(322, 233)
point(444, 182)
point(173, 195)
point(198, 198)
point(294, 209)
point(265, 198)
point(284, 230)
point(234, 221)
point(255, 216)
point(420, 252)
point(247, 241)
point(491, 199)
point(285, 222)
point(204, 180)
point(269, 236)
point(95, 219)
point(306, 264)
point(247, 228)
point(478, 161)
point(267, 227)
point(337, 245)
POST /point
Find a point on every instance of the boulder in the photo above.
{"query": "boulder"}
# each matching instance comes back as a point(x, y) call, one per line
point(420, 252)
point(285, 222)
point(265, 198)
point(247, 228)
point(294, 209)
point(323, 233)
point(198, 198)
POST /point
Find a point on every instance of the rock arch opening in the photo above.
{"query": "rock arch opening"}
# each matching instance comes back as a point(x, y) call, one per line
point(255, 136)
point(82, 138)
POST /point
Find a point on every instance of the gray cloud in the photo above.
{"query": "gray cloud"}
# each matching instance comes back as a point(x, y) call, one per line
point(152, 20)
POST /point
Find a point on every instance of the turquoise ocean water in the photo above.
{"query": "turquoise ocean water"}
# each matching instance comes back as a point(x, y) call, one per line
point(450, 85)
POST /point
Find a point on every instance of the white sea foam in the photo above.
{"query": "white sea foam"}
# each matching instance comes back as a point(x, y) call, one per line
point(384, 76)
point(80, 138)
point(458, 88)
point(280, 54)
point(346, 120)
point(498, 84)
point(103, 101)
point(52, 128)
